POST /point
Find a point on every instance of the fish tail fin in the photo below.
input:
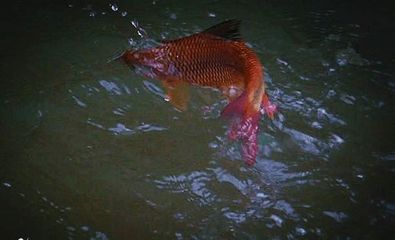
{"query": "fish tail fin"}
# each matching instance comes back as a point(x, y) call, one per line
point(250, 139)
point(244, 126)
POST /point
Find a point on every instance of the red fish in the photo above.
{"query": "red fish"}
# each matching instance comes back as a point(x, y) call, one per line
point(217, 57)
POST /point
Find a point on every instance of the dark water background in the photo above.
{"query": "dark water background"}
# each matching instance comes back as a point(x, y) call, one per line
point(90, 150)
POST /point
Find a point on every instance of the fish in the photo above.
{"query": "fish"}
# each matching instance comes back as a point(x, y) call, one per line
point(219, 58)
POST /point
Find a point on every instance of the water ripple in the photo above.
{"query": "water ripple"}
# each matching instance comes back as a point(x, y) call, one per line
point(121, 129)
point(306, 142)
point(110, 87)
point(194, 184)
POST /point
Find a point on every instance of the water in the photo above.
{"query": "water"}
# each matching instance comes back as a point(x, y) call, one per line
point(90, 150)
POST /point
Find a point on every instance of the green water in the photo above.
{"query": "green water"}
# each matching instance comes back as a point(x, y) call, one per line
point(90, 150)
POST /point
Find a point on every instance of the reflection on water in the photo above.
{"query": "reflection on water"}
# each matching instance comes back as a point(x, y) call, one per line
point(92, 150)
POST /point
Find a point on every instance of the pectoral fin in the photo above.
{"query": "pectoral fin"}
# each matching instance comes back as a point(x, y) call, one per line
point(177, 92)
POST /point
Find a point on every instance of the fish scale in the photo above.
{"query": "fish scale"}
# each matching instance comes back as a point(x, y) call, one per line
point(205, 69)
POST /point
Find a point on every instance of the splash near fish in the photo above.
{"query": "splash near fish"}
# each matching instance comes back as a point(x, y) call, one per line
point(219, 58)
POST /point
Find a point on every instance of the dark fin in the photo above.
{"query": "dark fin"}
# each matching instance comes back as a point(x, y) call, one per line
point(177, 93)
point(229, 29)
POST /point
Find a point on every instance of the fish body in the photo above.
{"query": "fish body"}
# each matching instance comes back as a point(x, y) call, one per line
point(218, 58)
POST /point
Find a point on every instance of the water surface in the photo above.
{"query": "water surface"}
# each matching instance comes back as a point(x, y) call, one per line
point(90, 149)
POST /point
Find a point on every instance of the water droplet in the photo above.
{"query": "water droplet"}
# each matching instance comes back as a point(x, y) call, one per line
point(135, 23)
point(7, 184)
point(124, 13)
point(114, 7)
point(92, 14)
point(360, 176)
point(211, 14)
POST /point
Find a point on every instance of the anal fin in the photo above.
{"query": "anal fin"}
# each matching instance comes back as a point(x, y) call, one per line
point(177, 93)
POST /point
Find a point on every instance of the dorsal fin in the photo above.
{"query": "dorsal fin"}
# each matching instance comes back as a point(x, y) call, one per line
point(229, 29)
